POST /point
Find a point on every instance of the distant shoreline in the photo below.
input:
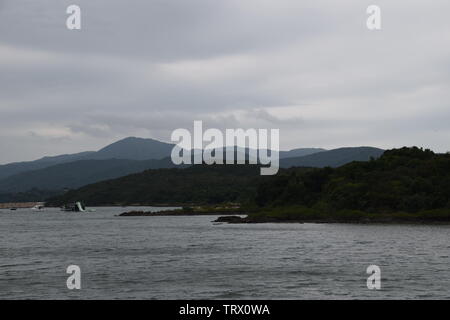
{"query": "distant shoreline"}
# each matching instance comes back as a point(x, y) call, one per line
point(130, 205)
point(176, 214)
point(253, 220)
point(19, 205)
point(190, 211)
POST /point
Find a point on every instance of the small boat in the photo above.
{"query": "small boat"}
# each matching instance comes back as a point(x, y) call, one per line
point(74, 207)
point(37, 207)
point(13, 209)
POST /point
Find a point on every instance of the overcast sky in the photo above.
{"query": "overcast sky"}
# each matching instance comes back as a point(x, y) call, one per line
point(144, 68)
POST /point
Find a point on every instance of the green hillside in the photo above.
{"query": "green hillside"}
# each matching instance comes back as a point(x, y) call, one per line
point(407, 182)
point(200, 184)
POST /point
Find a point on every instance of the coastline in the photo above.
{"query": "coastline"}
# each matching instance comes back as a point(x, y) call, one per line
point(169, 213)
point(115, 205)
point(189, 211)
point(252, 220)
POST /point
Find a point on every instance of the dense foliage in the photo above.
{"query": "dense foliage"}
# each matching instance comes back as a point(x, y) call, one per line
point(402, 180)
point(200, 184)
point(404, 183)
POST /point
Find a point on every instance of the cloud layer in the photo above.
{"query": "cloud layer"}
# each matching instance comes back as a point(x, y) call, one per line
point(145, 68)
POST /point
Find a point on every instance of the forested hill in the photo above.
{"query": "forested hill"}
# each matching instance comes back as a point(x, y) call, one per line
point(408, 180)
point(199, 184)
point(74, 171)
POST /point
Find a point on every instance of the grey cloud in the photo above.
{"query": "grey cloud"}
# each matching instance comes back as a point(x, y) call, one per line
point(311, 69)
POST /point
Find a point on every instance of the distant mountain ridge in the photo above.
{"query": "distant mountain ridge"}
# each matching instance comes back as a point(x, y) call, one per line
point(333, 158)
point(72, 175)
point(198, 183)
point(11, 169)
point(130, 148)
point(300, 152)
point(77, 174)
point(134, 155)
point(133, 148)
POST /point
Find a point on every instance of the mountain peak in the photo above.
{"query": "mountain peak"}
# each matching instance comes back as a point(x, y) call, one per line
point(134, 148)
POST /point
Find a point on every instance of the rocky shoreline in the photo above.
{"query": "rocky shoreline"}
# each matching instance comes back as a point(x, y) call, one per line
point(234, 219)
point(175, 213)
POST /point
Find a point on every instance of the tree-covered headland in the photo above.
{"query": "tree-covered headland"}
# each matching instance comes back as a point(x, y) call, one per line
point(403, 184)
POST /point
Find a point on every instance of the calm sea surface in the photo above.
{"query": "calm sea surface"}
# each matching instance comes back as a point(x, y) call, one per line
point(192, 258)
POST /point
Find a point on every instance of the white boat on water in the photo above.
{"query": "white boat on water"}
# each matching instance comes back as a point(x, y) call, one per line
point(74, 207)
point(38, 207)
